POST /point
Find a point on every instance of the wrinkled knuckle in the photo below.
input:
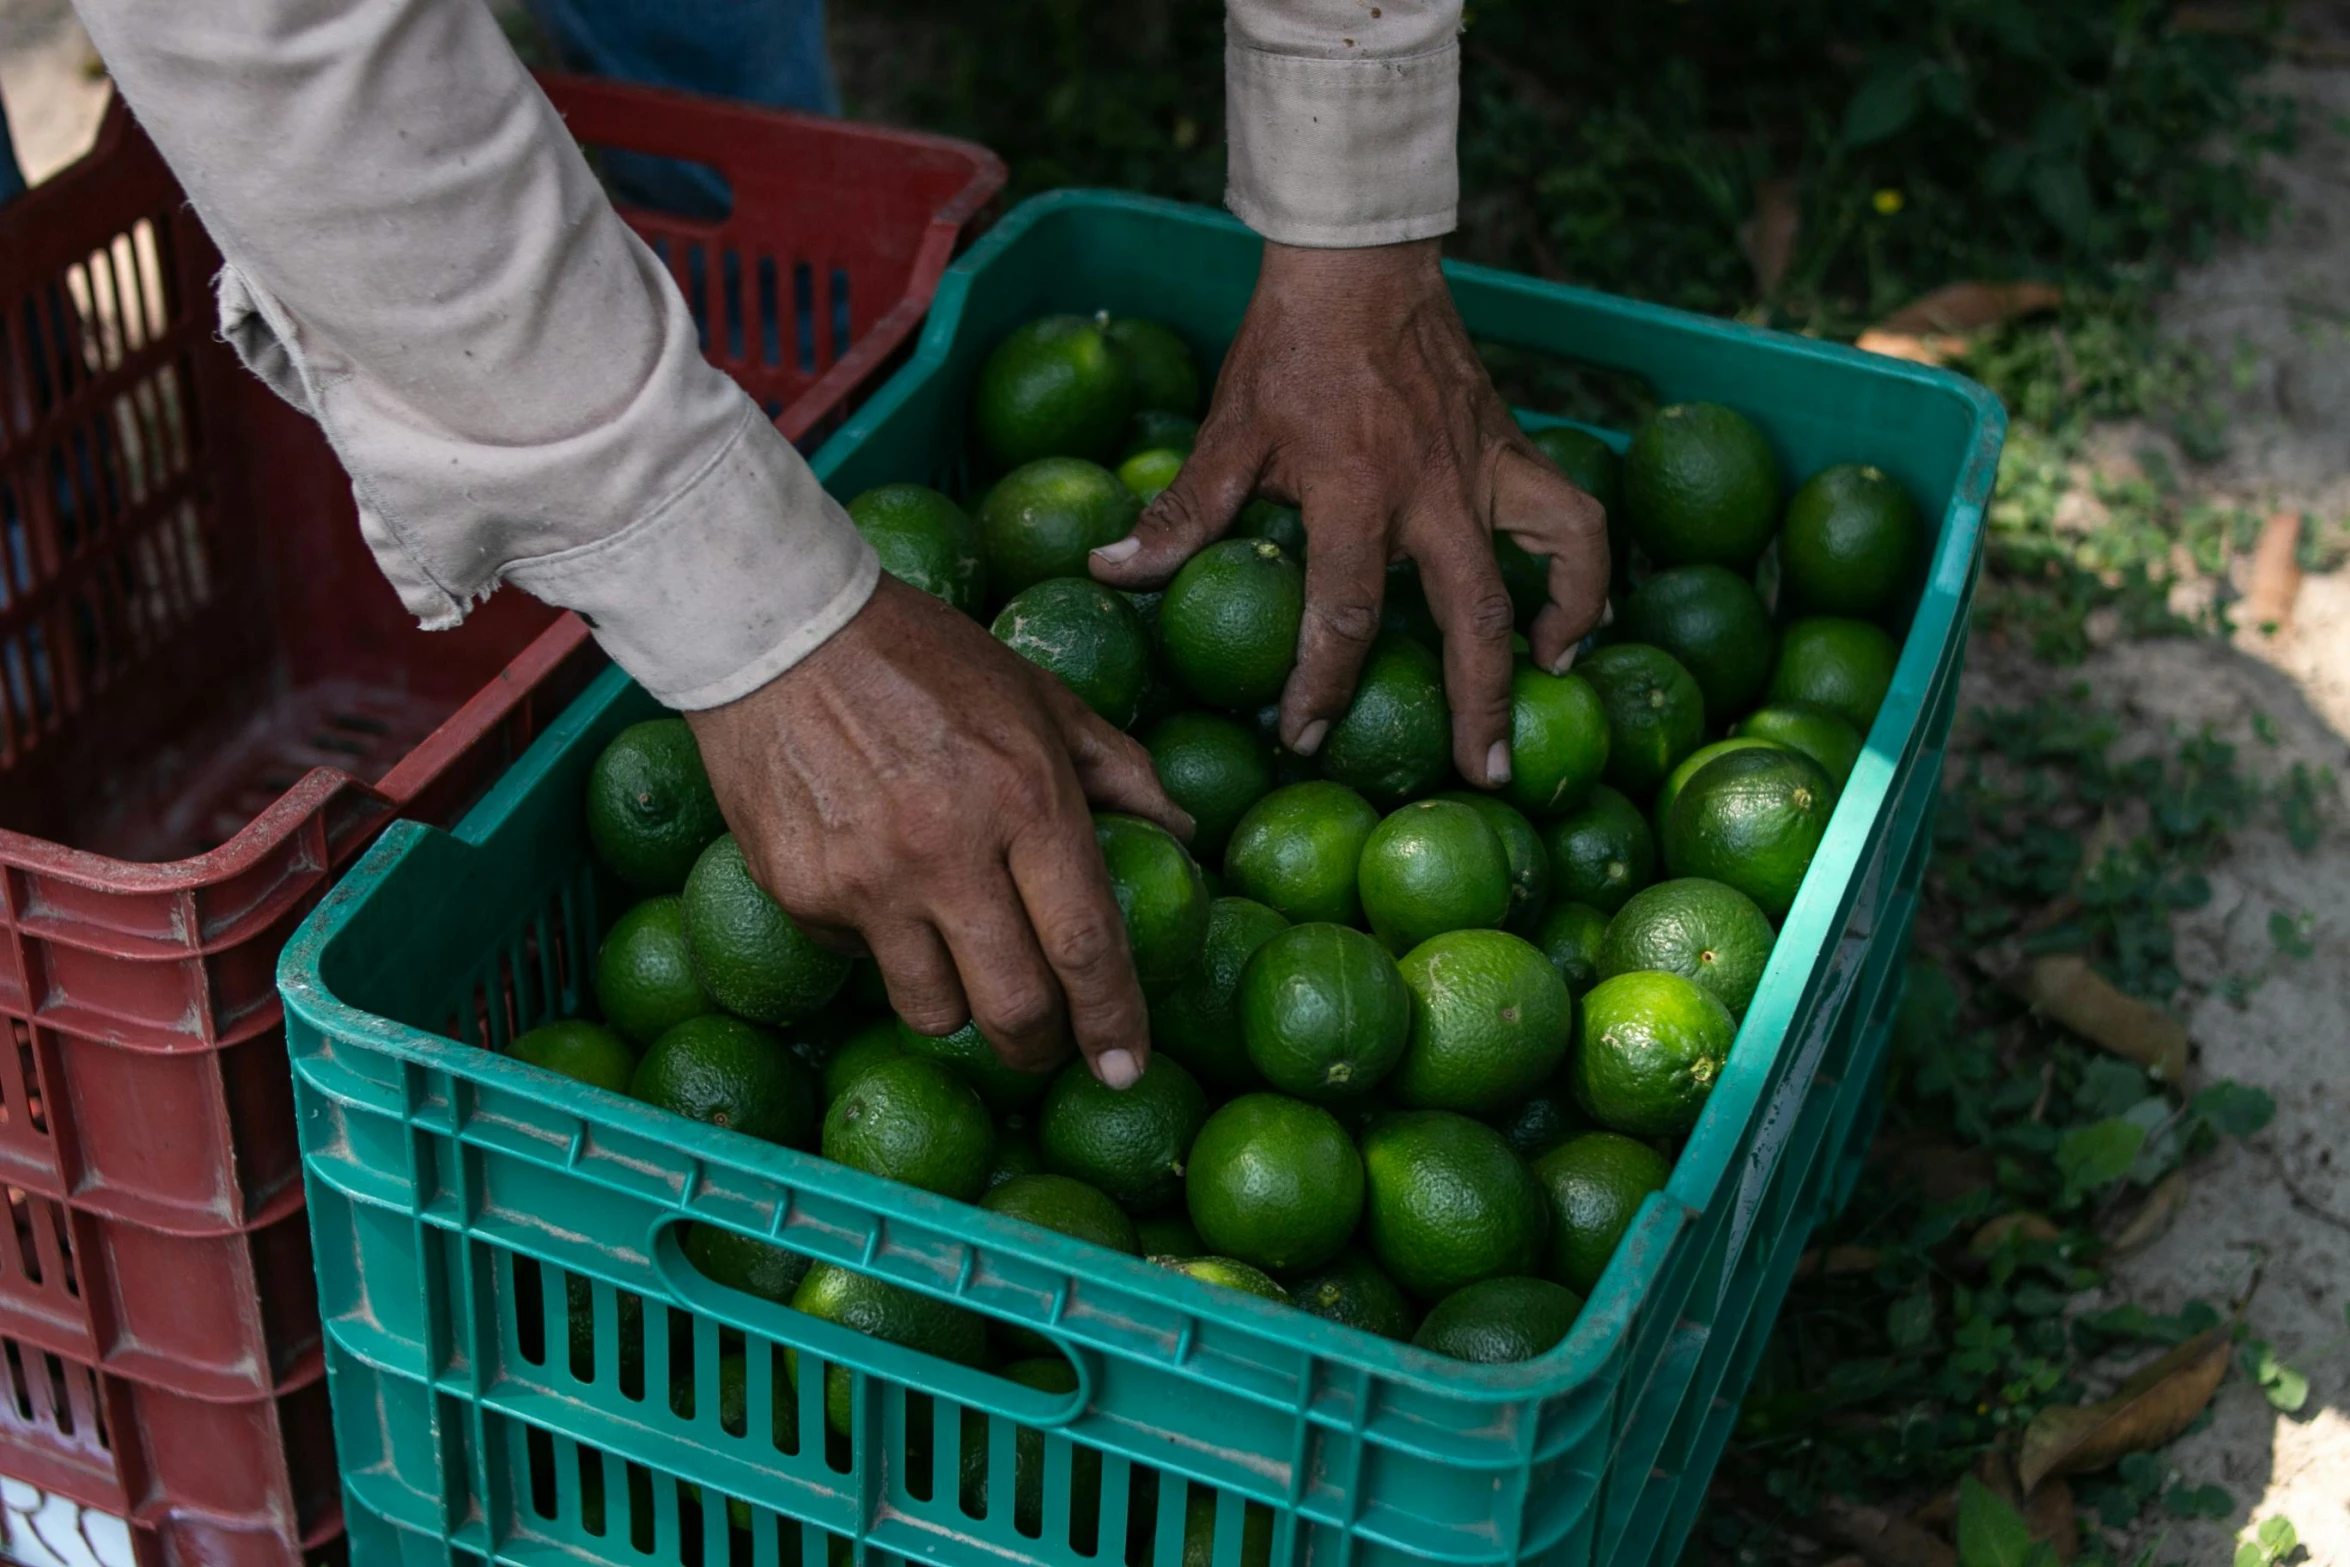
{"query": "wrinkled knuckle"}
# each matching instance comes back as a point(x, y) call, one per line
point(1351, 621)
point(1085, 947)
point(1029, 793)
point(1020, 1012)
point(1490, 616)
point(932, 1014)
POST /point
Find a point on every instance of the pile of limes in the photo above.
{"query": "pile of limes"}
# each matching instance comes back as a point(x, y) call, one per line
point(1419, 1051)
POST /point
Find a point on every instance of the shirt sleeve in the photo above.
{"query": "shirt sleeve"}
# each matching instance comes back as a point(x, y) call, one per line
point(417, 255)
point(1342, 118)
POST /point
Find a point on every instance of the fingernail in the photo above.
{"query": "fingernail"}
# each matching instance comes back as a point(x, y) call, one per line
point(1124, 549)
point(1497, 763)
point(1309, 739)
point(1566, 661)
point(1116, 1068)
point(1607, 611)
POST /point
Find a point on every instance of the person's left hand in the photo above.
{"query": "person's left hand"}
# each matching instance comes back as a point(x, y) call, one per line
point(1352, 392)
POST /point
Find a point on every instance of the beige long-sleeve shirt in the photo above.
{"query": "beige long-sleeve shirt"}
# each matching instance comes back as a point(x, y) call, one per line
point(418, 256)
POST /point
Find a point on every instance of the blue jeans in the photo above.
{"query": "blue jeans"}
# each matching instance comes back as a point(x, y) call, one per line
point(761, 51)
point(11, 177)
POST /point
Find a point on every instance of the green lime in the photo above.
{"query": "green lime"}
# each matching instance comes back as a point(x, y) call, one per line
point(1595, 1183)
point(582, 1051)
point(1687, 768)
point(925, 541)
point(1160, 892)
point(1323, 1011)
point(911, 1119)
point(1822, 736)
point(1695, 928)
point(1068, 1206)
point(1841, 666)
point(1041, 520)
point(1228, 1272)
point(889, 1312)
point(1700, 485)
point(650, 810)
point(1086, 634)
point(1430, 867)
point(1714, 625)
point(740, 1262)
point(1156, 430)
point(1569, 935)
point(1524, 576)
point(1559, 739)
point(1351, 1290)
point(1165, 376)
point(1405, 612)
point(1521, 846)
point(1297, 848)
point(1652, 1045)
point(746, 951)
point(642, 973)
point(1394, 741)
point(1283, 525)
point(1197, 1021)
point(1655, 713)
point(725, 1072)
point(1147, 473)
point(1215, 768)
point(1751, 819)
point(1230, 620)
point(968, 1054)
point(1055, 387)
point(1850, 543)
point(1491, 1020)
point(1448, 1203)
point(873, 1042)
point(1275, 1182)
point(1495, 1321)
point(1132, 1142)
point(1541, 1121)
point(1168, 1235)
point(1587, 461)
point(1016, 1154)
point(1600, 853)
point(623, 1328)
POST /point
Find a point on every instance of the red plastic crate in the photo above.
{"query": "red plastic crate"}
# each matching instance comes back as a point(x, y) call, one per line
point(210, 702)
point(252, 1481)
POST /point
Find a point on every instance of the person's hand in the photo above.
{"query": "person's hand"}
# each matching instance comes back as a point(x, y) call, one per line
point(914, 786)
point(1352, 392)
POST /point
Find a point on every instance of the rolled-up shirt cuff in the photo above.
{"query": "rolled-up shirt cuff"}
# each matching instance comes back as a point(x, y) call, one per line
point(737, 577)
point(1343, 153)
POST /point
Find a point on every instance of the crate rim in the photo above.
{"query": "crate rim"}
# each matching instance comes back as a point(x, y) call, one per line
point(1807, 936)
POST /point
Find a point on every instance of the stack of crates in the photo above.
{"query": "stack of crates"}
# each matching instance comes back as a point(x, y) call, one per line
point(210, 704)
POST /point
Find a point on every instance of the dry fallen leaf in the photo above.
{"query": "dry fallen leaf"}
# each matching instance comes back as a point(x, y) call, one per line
point(1882, 1539)
point(1937, 328)
point(2064, 986)
point(2154, 1215)
point(2047, 1512)
point(1944, 1172)
point(2154, 1405)
point(2276, 574)
point(1837, 1261)
point(1767, 237)
point(2031, 1226)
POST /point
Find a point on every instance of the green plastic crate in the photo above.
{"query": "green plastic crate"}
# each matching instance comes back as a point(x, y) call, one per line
point(462, 1203)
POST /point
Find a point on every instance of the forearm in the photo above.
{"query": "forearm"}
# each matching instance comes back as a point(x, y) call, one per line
point(1342, 119)
point(417, 255)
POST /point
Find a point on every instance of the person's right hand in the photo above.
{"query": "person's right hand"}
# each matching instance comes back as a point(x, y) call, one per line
point(915, 786)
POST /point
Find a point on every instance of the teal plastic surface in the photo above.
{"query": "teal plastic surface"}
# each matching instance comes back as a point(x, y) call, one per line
point(463, 1205)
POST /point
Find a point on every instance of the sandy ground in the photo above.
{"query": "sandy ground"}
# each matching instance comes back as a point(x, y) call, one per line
point(2280, 309)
